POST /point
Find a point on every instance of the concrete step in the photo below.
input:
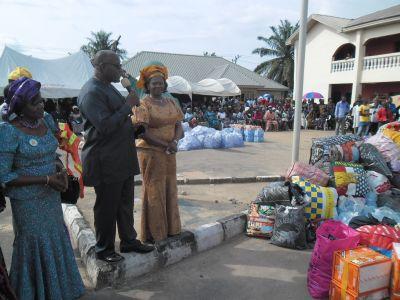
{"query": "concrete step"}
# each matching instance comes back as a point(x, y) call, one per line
point(101, 274)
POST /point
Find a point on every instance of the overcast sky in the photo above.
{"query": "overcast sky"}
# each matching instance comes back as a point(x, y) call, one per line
point(51, 29)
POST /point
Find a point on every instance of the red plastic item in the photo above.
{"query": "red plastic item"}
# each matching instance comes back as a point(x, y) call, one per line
point(381, 236)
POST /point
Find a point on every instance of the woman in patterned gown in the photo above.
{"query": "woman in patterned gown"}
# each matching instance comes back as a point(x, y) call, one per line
point(43, 264)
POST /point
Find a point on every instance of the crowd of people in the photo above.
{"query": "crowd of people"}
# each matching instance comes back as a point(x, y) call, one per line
point(365, 116)
point(221, 113)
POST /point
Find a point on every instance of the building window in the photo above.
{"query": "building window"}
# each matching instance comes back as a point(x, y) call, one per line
point(346, 51)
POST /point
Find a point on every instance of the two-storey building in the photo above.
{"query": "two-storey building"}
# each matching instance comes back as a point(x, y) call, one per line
point(349, 57)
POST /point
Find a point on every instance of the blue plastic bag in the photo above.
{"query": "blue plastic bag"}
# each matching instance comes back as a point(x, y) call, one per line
point(202, 130)
point(231, 140)
point(213, 141)
point(189, 142)
point(345, 217)
point(186, 127)
point(350, 204)
point(201, 139)
point(259, 135)
point(239, 130)
point(249, 135)
point(381, 212)
point(228, 130)
point(371, 198)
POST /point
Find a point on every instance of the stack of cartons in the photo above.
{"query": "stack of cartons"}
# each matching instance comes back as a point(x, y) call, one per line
point(359, 274)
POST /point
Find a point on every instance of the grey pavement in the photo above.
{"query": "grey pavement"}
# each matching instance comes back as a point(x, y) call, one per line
point(272, 157)
point(243, 268)
point(198, 204)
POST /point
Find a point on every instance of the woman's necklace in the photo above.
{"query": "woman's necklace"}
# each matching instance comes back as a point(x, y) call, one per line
point(157, 99)
point(31, 125)
point(160, 100)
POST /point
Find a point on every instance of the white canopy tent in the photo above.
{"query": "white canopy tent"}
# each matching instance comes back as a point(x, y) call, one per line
point(207, 87)
point(230, 88)
point(64, 77)
point(60, 78)
point(179, 85)
point(215, 87)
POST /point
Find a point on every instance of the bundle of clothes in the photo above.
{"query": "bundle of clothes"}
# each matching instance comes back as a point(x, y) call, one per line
point(345, 199)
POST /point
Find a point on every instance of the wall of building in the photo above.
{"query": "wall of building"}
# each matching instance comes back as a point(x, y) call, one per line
point(275, 94)
point(380, 75)
point(369, 90)
point(253, 93)
point(322, 43)
point(381, 31)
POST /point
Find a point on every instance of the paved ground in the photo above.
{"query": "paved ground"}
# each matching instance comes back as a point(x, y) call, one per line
point(198, 204)
point(243, 268)
point(269, 158)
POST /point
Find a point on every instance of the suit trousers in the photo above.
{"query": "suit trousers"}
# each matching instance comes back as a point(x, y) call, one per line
point(114, 206)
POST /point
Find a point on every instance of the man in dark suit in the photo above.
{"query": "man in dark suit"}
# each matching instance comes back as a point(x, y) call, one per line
point(109, 157)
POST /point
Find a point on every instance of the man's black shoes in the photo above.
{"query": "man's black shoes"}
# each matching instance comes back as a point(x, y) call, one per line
point(138, 247)
point(110, 258)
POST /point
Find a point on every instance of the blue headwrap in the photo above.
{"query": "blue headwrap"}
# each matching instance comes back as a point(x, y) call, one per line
point(20, 92)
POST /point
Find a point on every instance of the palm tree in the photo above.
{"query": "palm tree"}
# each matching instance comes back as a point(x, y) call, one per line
point(101, 41)
point(281, 67)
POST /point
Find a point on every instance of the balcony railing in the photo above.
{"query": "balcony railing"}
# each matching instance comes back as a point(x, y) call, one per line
point(391, 60)
point(342, 65)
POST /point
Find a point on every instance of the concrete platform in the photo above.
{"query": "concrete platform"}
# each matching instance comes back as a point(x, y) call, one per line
point(168, 252)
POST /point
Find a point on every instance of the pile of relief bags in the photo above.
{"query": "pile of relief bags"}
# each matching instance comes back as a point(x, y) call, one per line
point(250, 133)
point(347, 197)
point(202, 137)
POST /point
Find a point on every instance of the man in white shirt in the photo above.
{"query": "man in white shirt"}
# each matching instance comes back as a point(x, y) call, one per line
point(221, 114)
point(373, 109)
point(355, 113)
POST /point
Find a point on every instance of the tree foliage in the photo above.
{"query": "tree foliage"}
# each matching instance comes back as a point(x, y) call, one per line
point(101, 40)
point(280, 66)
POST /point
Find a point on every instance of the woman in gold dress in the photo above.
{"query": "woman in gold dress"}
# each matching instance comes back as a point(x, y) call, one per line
point(161, 117)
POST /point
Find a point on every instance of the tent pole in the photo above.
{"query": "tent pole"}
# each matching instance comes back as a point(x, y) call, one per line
point(299, 81)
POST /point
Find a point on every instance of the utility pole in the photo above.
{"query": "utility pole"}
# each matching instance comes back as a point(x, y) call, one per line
point(298, 93)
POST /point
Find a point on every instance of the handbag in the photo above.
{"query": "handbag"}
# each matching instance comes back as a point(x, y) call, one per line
point(71, 195)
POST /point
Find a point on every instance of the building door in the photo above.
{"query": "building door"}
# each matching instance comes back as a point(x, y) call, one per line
point(340, 90)
point(336, 96)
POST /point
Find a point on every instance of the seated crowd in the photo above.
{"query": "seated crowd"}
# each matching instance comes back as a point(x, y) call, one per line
point(221, 113)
